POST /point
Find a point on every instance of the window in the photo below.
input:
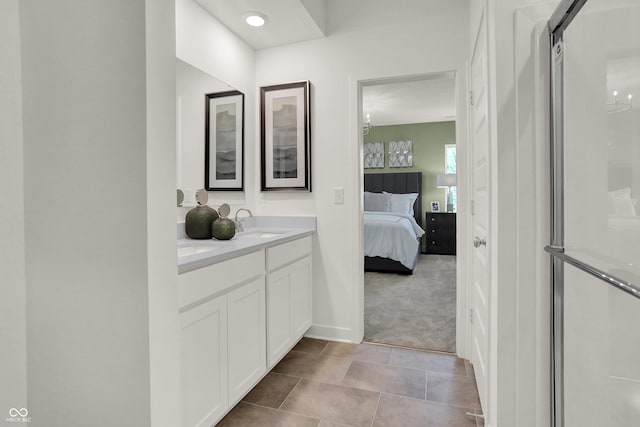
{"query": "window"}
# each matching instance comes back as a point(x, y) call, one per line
point(450, 167)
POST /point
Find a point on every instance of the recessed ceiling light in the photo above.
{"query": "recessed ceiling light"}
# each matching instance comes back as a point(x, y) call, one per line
point(255, 19)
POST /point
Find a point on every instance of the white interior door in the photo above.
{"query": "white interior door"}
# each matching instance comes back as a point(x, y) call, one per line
point(480, 289)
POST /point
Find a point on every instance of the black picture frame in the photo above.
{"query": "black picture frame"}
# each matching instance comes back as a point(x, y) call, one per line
point(224, 141)
point(285, 137)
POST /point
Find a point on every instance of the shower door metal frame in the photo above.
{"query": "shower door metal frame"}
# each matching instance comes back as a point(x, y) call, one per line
point(557, 24)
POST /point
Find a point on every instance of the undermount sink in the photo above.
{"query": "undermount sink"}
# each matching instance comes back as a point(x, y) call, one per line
point(187, 250)
point(259, 234)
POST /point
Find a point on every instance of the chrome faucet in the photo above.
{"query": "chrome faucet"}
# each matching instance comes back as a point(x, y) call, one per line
point(238, 222)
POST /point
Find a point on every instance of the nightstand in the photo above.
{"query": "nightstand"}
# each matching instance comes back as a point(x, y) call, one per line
point(441, 233)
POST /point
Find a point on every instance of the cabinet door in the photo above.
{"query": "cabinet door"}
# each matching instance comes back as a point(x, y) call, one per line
point(288, 307)
point(301, 306)
point(247, 340)
point(279, 314)
point(204, 363)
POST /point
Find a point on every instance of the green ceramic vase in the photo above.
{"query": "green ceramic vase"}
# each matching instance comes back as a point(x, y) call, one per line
point(197, 224)
point(223, 229)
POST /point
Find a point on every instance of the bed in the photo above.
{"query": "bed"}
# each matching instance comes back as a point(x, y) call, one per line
point(392, 239)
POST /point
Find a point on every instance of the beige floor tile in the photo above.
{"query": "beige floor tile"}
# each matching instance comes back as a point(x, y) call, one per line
point(452, 389)
point(325, 423)
point(315, 367)
point(363, 352)
point(387, 379)
point(311, 345)
point(327, 384)
point(272, 390)
point(333, 403)
point(394, 411)
point(446, 363)
point(248, 415)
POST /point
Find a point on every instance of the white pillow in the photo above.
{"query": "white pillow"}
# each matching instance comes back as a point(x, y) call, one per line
point(624, 207)
point(622, 193)
point(402, 203)
point(621, 202)
point(377, 202)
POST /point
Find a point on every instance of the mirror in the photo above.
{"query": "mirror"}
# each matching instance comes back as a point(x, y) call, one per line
point(192, 84)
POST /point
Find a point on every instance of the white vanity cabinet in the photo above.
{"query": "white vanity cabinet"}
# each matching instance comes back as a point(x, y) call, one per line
point(223, 344)
point(204, 363)
point(246, 337)
point(239, 317)
point(289, 309)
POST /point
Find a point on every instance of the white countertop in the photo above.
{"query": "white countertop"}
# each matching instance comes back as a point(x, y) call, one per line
point(258, 233)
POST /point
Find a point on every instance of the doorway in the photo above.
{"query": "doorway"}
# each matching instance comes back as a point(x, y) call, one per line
point(417, 113)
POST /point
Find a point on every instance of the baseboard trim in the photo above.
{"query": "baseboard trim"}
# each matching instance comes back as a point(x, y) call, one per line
point(330, 333)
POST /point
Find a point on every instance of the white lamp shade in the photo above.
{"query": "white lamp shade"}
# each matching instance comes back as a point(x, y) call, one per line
point(446, 180)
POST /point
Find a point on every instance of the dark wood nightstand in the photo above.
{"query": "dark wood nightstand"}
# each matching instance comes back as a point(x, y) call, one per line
point(441, 233)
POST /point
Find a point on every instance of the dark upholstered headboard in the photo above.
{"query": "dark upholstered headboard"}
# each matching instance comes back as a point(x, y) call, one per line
point(399, 183)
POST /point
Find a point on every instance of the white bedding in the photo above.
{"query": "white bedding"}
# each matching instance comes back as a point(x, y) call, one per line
point(391, 235)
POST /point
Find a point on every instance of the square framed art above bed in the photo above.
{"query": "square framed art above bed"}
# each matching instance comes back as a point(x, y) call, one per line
point(400, 154)
point(373, 155)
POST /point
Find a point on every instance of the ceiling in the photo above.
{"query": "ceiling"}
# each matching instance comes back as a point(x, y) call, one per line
point(288, 21)
point(416, 100)
point(427, 99)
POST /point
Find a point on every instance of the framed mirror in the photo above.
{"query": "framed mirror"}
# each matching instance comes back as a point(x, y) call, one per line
point(224, 141)
point(192, 87)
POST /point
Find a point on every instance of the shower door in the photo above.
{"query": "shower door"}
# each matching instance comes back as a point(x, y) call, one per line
point(595, 242)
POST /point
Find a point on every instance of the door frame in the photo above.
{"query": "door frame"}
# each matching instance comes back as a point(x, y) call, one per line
point(356, 139)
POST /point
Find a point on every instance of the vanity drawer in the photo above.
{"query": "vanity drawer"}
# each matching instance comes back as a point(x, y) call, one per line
point(207, 281)
point(286, 253)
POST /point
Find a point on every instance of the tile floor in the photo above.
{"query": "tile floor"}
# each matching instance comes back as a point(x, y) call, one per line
point(327, 384)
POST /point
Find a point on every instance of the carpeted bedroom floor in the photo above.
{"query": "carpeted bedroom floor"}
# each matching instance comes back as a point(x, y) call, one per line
point(416, 311)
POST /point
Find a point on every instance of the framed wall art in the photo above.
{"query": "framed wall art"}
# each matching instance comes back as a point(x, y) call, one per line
point(285, 134)
point(224, 141)
point(373, 153)
point(400, 154)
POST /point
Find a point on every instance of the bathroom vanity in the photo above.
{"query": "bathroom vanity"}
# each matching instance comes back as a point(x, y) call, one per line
point(244, 303)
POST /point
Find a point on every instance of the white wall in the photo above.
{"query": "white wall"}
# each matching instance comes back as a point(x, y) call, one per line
point(98, 95)
point(422, 38)
point(13, 369)
point(164, 320)
point(519, 383)
point(202, 41)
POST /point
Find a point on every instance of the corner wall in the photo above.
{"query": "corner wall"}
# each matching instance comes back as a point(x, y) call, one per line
point(99, 216)
point(13, 348)
point(396, 43)
point(162, 291)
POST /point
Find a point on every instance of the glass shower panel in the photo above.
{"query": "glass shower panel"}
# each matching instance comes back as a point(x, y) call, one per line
point(602, 355)
point(602, 137)
point(601, 215)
